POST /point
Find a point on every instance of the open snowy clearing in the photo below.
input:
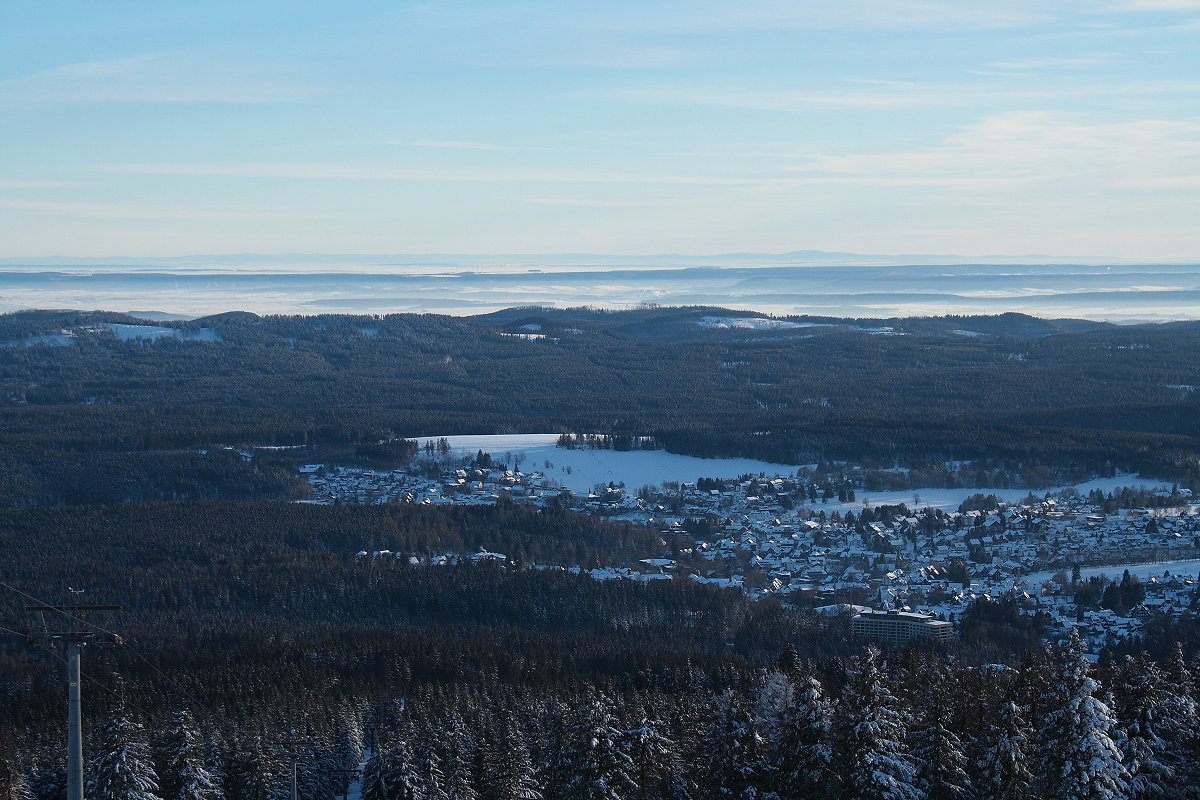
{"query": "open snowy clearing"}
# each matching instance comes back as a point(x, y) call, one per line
point(580, 470)
point(128, 333)
point(951, 499)
point(1142, 572)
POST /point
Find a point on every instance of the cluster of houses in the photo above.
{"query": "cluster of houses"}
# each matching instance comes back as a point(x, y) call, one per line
point(767, 536)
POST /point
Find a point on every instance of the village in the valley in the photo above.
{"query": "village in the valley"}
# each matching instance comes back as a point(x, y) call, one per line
point(1061, 553)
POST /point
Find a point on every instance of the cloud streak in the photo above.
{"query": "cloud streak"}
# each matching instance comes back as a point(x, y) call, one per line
point(143, 211)
point(173, 78)
point(1041, 147)
point(894, 97)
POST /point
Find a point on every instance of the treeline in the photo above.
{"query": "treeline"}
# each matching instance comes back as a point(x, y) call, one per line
point(52, 543)
point(32, 476)
point(605, 441)
point(989, 456)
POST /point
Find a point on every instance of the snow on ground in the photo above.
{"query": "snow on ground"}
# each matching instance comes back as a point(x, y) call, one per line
point(1107, 485)
point(951, 499)
point(354, 790)
point(636, 468)
point(765, 324)
point(945, 499)
point(1142, 572)
point(154, 332)
point(755, 323)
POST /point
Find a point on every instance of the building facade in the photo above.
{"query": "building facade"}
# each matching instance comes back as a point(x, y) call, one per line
point(900, 627)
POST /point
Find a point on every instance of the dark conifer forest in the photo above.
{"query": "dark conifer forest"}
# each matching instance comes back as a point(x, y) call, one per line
point(106, 419)
point(366, 645)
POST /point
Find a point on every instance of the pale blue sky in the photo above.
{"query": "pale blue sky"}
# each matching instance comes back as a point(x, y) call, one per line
point(941, 126)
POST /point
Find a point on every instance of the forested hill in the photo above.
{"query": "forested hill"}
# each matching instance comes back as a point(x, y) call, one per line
point(99, 392)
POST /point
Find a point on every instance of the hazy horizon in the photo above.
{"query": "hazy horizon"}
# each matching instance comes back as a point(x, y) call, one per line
point(1115, 292)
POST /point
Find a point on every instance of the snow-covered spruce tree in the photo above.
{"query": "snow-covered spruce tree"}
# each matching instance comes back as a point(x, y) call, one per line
point(941, 760)
point(1078, 759)
point(404, 779)
point(171, 747)
point(1037, 686)
point(123, 768)
point(737, 765)
point(657, 767)
point(349, 744)
point(1180, 709)
point(590, 760)
point(776, 696)
point(1004, 756)
point(252, 771)
point(1140, 720)
point(789, 663)
point(214, 758)
point(180, 756)
point(374, 785)
point(48, 776)
point(13, 783)
point(197, 783)
point(510, 769)
point(316, 779)
point(803, 751)
point(459, 756)
point(871, 761)
point(429, 768)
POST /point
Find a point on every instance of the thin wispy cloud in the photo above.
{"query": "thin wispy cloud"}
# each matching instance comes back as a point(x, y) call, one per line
point(762, 99)
point(880, 82)
point(1055, 62)
point(1155, 5)
point(97, 69)
point(6, 185)
point(898, 97)
point(151, 78)
point(457, 145)
point(341, 171)
point(816, 15)
point(145, 211)
point(1163, 182)
point(1041, 147)
point(995, 74)
point(597, 203)
point(366, 172)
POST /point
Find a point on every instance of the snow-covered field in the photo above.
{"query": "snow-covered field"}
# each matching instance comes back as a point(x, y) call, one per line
point(1140, 571)
point(951, 499)
point(756, 323)
point(580, 470)
point(154, 332)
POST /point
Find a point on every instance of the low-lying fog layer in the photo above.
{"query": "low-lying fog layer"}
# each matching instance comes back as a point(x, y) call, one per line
point(1104, 292)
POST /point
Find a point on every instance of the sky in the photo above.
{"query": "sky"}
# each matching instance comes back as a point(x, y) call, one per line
point(1058, 127)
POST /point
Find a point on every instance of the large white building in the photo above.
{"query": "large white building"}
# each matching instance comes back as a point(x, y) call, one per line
point(900, 627)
